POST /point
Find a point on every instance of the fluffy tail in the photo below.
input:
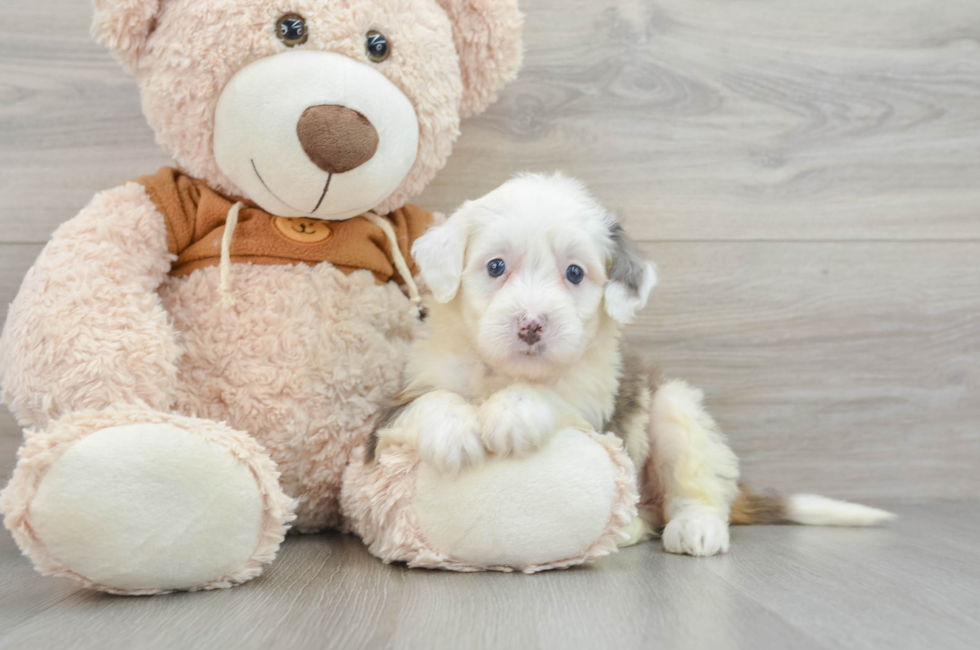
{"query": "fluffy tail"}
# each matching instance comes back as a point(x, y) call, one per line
point(808, 509)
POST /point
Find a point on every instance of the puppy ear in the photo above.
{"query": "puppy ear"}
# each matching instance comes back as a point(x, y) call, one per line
point(123, 27)
point(631, 278)
point(487, 34)
point(439, 255)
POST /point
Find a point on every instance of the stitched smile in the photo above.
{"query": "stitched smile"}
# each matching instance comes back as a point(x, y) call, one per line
point(266, 185)
point(325, 188)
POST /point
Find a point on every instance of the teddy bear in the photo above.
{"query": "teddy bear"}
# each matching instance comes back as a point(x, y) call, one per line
point(199, 353)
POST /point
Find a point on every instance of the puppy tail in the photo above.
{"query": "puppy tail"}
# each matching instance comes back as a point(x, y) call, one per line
point(808, 509)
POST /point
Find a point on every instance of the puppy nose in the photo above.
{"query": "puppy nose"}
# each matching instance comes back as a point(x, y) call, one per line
point(336, 138)
point(530, 330)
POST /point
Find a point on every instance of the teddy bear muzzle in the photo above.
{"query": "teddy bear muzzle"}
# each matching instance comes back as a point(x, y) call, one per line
point(316, 134)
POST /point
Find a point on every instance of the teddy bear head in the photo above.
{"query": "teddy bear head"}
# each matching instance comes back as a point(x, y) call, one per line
point(313, 108)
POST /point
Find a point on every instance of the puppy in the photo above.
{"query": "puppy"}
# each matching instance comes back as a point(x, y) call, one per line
point(530, 288)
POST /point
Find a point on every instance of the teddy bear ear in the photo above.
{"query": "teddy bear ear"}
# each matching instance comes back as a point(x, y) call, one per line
point(123, 26)
point(487, 34)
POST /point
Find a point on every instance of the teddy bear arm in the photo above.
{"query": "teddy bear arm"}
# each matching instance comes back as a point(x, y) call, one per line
point(87, 328)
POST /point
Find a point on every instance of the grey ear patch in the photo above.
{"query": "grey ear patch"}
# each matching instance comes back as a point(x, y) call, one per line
point(628, 265)
point(631, 278)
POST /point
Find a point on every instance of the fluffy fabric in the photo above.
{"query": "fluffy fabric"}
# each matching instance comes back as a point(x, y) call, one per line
point(303, 362)
point(380, 502)
point(42, 450)
point(486, 33)
point(300, 357)
point(123, 25)
point(87, 328)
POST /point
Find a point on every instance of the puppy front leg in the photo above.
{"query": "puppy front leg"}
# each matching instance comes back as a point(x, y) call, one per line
point(517, 419)
point(696, 469)
point(443, 426)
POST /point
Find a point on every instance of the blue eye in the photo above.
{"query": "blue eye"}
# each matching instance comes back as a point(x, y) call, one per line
point(496, 268)
point(574, 273)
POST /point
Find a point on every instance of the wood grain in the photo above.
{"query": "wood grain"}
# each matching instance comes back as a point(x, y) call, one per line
point(912, 585)
point(15, 259)
point(779, 119)
point(921, 581)
point(849, 368)
point(700, 119)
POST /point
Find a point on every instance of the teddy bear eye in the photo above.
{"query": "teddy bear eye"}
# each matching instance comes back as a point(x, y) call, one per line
point(496, 268)
point(574, 273)
point(291, 30)
point(377, 46)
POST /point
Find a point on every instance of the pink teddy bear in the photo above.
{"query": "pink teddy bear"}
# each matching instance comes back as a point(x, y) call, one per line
point(198, 353)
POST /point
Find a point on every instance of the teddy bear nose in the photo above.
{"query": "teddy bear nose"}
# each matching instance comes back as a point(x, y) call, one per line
point(336, 138)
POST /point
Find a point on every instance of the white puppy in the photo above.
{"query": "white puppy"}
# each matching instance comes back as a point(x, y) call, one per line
point(530, 286)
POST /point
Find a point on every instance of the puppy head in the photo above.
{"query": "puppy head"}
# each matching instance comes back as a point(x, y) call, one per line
point(534, 269)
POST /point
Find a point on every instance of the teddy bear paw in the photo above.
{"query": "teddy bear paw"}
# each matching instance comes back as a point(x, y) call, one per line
point(146, 507)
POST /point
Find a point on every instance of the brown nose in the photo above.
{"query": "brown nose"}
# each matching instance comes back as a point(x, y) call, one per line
point(530, 331)
point(336, 138)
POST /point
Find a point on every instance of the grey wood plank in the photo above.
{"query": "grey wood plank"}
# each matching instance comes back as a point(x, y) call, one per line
point(24, 594)
point(698, 119)
point(916, 585)
point(327, 592)
point(782, 119)
point(70, 119)
point(843, 368)
point(15, 259)
point(10, 439)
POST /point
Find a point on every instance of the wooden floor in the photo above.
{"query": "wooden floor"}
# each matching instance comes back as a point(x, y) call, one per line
point(807, 177)
point(913, 585)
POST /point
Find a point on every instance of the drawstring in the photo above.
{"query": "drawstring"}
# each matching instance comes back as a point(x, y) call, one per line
point(224, 286)
point(396, 255)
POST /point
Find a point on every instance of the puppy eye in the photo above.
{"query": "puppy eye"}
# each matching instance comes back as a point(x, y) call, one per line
point(377, 46)
point(574, 273)
point(496, 268)
point(291, 30)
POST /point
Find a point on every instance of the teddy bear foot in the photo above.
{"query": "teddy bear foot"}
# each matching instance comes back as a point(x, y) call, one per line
point(567, 503)
point(131, 501)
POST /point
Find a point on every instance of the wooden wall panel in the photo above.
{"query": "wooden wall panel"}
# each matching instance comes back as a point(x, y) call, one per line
point(806, 174)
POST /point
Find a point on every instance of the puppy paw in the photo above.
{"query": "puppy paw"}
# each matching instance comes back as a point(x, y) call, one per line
point(515, 420)
point(695, 533)
point(449, 437)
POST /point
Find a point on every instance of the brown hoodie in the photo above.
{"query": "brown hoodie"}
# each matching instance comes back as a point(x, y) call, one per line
point(196, 214)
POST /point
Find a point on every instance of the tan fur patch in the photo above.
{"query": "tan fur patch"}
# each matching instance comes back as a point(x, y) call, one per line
point(750, 508)
point(386, 418)
point(631, 414)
